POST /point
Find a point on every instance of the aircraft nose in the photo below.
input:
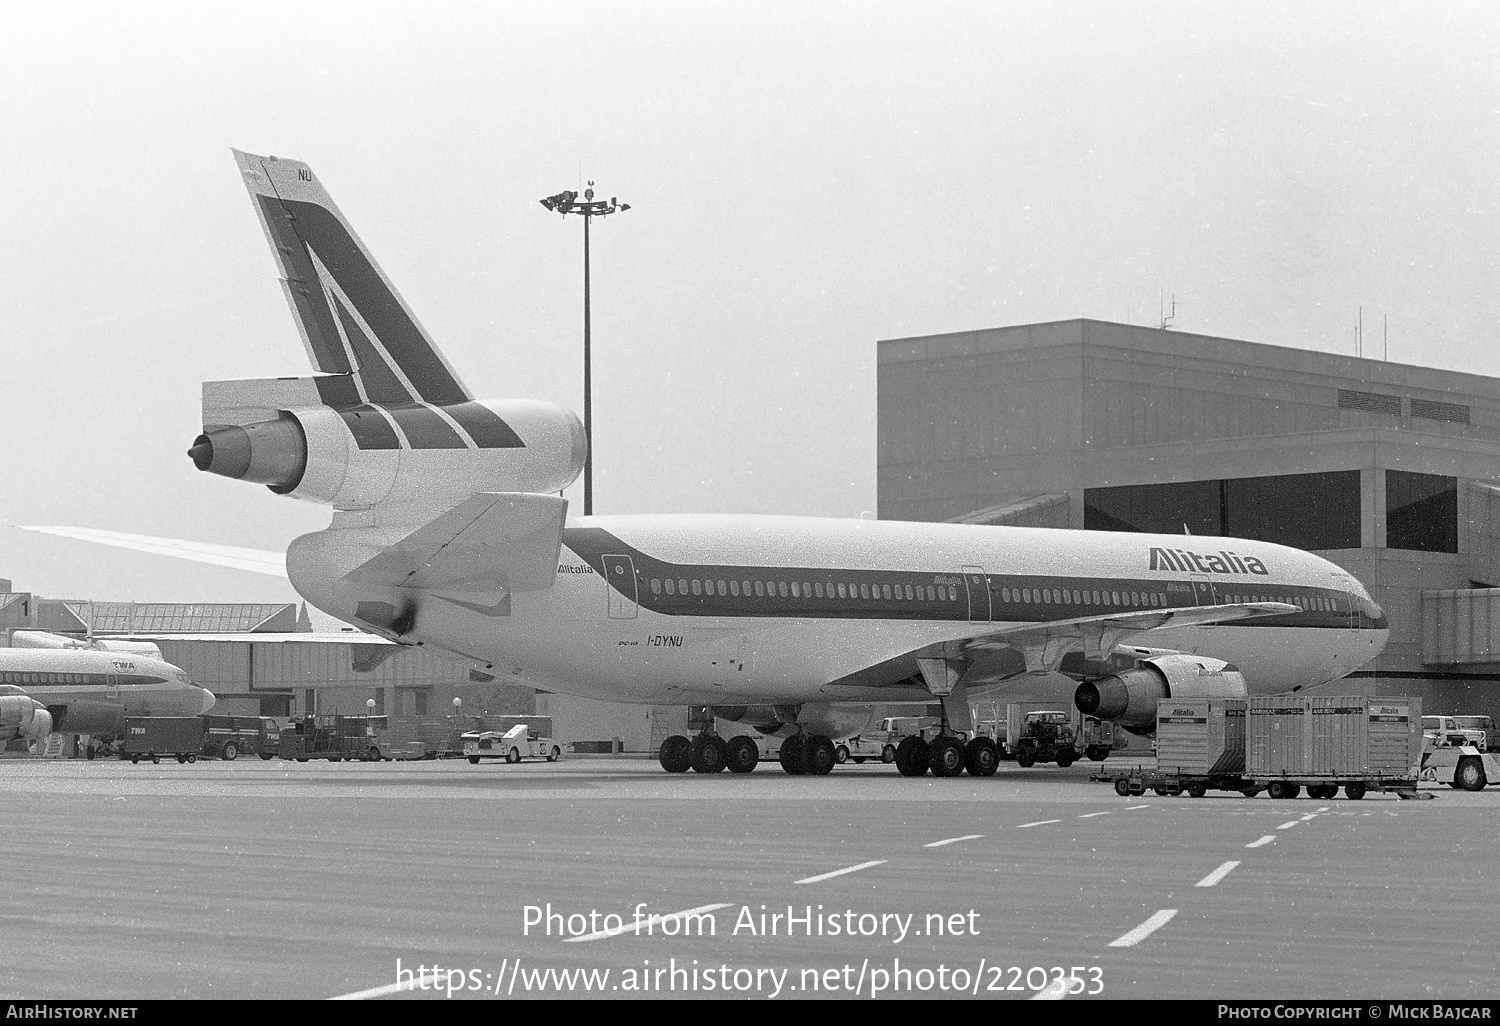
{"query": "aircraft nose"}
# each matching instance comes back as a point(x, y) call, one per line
point(208, 700)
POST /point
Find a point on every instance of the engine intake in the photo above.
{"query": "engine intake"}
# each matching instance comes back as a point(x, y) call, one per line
point(1129, 698)
point(23, 716)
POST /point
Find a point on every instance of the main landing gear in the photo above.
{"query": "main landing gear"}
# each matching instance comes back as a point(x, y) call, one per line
point(709, 753)
point(947, 756)
point(802, 755)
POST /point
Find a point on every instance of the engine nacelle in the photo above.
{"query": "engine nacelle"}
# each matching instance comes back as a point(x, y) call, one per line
point(352, 458)
point(23, 717)
point(1129, 698)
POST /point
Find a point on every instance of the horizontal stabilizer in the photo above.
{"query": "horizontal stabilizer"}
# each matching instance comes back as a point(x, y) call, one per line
point(491, 542)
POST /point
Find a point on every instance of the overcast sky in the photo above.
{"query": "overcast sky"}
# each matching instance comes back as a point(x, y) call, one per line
point(806, 178)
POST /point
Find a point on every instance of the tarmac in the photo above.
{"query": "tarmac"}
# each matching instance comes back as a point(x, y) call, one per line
point(607, 877)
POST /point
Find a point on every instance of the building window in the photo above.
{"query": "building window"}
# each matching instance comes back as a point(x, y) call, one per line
point(1421, 512)
point(1305, 511)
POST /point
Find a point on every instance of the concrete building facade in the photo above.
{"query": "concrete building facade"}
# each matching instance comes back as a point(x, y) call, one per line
point(1391, 471)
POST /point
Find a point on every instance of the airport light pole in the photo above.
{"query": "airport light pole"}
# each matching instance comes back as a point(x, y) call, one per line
point(566, 203)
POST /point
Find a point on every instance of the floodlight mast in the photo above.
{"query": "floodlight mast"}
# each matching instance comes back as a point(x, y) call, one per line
point(566, 203)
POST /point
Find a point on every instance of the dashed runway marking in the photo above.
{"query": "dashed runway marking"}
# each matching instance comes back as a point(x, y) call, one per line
point(1288, 825)
point(1091, 815)
point(1145, 930)
point(1040, 822)
point(1132, 808)
point(953, 840)
point(1217, 875)
point(840, 872)
point(1264, 840)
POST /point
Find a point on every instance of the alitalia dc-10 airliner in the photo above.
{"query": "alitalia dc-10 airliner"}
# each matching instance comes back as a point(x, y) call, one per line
point(448, 533)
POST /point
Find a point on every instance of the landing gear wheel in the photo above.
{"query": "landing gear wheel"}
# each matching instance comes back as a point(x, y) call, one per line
point(1470, 774)
point(706, 754)
point(888, 753)
point(1197, 789)
point(911, 756)
point(945, 756)
point(229, 752)
point(981, 757)
point(1122, 787)
point(674, 754)
point(741, 754)
point(841, 754)
point(818, 755)
point(791, 756)
point(1354, 791)
point(513, 756)
point(474, 760)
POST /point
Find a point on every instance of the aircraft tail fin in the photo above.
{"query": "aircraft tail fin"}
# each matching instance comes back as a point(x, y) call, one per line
point(356, 327)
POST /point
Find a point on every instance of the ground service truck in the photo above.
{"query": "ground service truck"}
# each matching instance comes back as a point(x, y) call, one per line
point(519, 737)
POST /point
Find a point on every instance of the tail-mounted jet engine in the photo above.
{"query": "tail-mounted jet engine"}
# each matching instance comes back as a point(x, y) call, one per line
point(1129, 697)
point(351, 458)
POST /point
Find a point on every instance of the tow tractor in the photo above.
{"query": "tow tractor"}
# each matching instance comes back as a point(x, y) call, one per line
point(1047, 736)
point(513, 745)
point(1463, 767)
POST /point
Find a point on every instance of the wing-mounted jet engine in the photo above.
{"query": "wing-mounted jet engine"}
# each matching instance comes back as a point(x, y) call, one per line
point(1129, 697)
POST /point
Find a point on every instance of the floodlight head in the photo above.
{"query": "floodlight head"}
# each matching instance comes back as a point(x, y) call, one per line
point(624, 206)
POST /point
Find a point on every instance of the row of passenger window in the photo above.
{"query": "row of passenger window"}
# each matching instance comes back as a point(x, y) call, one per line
point(805, 589)
point(42, 678)
point(940, 593)
point(1067, 596)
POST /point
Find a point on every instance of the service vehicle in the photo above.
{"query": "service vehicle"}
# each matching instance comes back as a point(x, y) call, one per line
point(1282, 744)
point(512, 745)
point(1484, 723)
point(866, 746)
point(1097, 738)
point(1046, 735)
point(1446, 731)
point(151, 737)
point(1460, 766)
point(335, 738)
point(229, 737)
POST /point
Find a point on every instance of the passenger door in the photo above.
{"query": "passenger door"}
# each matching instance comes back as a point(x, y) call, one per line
point(977, 588)
point(620, 585)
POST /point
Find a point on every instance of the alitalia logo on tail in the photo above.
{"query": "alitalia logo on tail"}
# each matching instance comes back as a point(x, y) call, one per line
point(1211, 563)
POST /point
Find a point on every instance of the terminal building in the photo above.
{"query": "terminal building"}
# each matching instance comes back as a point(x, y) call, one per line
point(1390, 471)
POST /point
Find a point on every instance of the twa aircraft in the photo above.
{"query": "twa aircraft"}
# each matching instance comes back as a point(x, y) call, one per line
point(448, 534)
point(49, 682)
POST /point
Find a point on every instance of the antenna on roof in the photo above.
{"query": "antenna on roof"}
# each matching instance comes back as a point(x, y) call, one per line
point(1165, 319)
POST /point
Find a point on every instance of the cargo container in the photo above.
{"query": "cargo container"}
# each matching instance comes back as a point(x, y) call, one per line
point(151, 737)
point(1281, 745)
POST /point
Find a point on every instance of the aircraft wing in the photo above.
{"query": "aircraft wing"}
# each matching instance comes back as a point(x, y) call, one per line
point(258, 561)
point(1045, 644)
